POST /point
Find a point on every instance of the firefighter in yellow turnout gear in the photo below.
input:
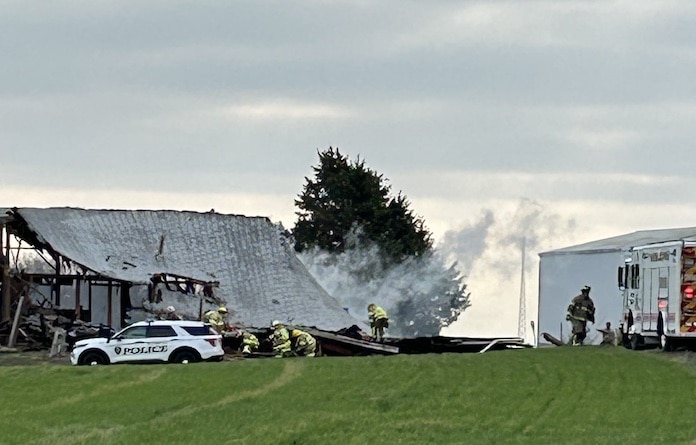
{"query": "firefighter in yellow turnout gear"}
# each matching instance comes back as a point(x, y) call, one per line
point(216, 318)
point(378, 321)
point(304, 344)
point(243, 342)
point(250, 342)
point(280, 339)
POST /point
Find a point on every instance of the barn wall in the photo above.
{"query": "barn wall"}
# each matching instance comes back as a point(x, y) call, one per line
point(561, 276)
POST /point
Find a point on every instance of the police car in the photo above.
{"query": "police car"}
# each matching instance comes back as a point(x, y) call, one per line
point(152, 341)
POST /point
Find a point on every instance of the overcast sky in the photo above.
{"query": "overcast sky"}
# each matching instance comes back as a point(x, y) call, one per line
point(563, 121)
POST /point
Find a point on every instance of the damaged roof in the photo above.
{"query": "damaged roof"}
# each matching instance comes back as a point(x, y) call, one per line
point(259, 275)
point(4, 217)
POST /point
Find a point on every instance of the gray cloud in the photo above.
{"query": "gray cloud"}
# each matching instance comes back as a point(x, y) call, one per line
point(546, 100)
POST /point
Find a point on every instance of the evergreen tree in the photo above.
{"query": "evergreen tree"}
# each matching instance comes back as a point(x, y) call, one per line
point(344, 195)
point(365, 245)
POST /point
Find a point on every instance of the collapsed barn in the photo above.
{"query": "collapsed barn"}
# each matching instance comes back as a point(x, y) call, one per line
point(90, 272)
point(108, 268)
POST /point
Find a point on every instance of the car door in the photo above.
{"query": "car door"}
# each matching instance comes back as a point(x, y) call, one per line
point(128, 345)
point(141, 344)
point(159, 341)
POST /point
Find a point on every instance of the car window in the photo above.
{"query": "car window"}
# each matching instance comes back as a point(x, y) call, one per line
point(161, 331)
point(199, 330)
point(134, 332)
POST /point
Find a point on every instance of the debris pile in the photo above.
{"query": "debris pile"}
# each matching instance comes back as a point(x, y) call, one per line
point(39, 328)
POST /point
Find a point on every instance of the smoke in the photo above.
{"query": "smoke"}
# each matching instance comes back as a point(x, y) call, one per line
point(467, 244)
point(485, 254)
point(359, 276)
point(491, 248)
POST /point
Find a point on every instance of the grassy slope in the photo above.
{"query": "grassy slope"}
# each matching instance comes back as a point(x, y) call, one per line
point(545, 396)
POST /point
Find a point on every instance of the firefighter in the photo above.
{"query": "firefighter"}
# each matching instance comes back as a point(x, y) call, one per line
point(216, 318)
point(171, 314)
point(280, 339)
point(378, 321)
point(250, 342)
point(580, 311)
point(608, 335)
point(304, 345)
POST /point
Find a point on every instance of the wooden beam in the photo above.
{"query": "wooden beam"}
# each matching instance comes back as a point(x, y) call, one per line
point(15, 324)
point(108, 310)
point(6, 296)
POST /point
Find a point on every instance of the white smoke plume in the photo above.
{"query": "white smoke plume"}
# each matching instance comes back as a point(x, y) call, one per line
point(486, 252)
point(491, 249)
point(357, 278)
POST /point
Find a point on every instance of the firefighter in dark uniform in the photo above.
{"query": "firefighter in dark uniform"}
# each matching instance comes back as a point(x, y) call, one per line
point(580, 311)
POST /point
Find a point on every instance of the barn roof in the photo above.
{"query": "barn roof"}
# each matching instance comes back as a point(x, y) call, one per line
point(627, 241)
point(4, 217)
point(259, 275)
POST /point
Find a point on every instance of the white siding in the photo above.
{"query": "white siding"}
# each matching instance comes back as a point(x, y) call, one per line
point(561, 276)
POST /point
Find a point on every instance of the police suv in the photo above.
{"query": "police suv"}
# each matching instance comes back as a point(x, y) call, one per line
point(152, 341)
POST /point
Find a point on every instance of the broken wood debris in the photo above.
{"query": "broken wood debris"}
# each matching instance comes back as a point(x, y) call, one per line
point(37, 328)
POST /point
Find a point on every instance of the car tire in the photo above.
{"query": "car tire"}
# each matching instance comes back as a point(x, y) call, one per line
point(94, 358)
point(184, 356)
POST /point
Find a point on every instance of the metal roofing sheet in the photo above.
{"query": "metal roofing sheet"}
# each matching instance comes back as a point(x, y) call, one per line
point(625, 242)
point(259, 275)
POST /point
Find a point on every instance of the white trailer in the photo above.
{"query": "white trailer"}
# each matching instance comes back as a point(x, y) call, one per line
point(658, 283)
point(563, 272)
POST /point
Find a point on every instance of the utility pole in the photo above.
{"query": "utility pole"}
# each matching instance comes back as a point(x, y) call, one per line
point(522, 318)
point(5, 270)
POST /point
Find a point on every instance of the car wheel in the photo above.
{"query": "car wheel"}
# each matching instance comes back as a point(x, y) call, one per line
point(184, 356)
point(636, 342)
point(94, 358)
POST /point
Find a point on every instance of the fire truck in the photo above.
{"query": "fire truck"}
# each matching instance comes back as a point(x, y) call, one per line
point(658, 282)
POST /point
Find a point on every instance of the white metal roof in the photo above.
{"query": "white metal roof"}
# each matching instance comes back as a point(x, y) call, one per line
point(627, 241)
point(259, 275)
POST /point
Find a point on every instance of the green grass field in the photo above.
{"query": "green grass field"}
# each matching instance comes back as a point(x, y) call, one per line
point(586, 395)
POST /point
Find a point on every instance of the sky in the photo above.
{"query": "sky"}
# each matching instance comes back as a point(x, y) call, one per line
point(551, 122)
